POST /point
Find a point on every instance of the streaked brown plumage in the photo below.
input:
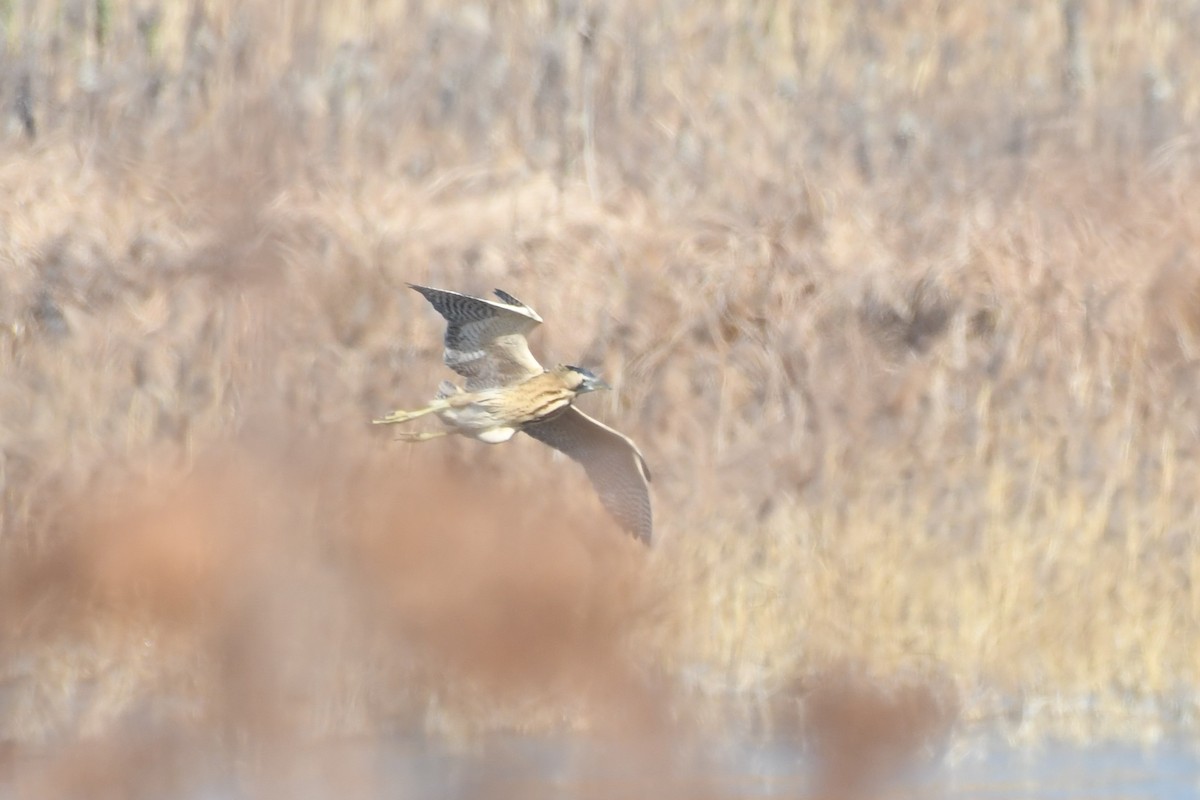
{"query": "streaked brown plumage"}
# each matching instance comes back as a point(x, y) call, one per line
point(507, 390)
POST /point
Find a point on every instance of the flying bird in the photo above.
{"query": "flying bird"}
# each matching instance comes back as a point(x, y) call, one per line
point(507, 391)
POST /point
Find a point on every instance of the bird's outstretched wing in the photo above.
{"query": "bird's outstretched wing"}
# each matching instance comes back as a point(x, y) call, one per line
point(485, 340)
point(613, 462)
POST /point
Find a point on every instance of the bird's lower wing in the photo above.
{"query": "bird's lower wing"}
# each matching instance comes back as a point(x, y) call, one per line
point(612, 461)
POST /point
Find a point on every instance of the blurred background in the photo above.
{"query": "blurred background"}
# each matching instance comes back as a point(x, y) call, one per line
point(899, 298)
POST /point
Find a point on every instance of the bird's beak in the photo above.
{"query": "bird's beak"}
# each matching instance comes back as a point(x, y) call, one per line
point(598, 384)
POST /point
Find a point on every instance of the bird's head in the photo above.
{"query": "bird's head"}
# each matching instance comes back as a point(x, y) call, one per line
point(581, 380)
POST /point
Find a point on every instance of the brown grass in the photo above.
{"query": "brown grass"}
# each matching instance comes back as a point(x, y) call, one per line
point(898, 299)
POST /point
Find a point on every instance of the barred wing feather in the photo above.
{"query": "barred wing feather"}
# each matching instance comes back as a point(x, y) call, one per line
point(485, 340)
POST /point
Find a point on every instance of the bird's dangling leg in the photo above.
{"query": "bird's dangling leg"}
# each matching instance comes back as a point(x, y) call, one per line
point(404, 416)
point(406, 436)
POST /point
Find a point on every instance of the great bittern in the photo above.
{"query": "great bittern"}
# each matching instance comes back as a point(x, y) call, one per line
point(507, 391)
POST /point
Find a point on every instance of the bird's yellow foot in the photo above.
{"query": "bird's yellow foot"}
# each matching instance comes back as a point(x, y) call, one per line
point(419, 437)
point(395, 416)
point(404, 416)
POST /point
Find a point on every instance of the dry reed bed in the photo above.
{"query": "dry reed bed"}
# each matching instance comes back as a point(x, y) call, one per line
point(900, 303)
